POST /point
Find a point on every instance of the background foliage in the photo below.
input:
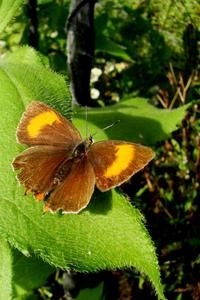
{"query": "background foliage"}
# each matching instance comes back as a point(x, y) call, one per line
point(148, 50)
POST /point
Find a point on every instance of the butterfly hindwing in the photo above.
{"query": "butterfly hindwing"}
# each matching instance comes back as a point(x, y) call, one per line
point(76, 190)
point(42, 125)
point(114, 162)
point(36, 168)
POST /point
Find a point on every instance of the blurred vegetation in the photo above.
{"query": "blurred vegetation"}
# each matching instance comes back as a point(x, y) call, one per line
point(150, 49)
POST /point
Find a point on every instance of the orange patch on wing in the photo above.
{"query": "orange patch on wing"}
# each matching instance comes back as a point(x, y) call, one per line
point(123, 157)
point(40, 196)
point(40, 121)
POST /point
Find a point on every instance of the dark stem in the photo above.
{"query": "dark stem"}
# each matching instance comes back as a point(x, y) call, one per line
point(80, 49)
point(33, 36)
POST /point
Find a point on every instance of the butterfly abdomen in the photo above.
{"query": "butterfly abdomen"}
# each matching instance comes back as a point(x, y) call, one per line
point(62, 171)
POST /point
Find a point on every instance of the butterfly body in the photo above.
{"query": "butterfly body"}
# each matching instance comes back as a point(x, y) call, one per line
point(63, 169)
point(78, 153)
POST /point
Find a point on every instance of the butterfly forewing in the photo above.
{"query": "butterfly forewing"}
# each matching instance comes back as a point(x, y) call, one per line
point(114, 162)
point(41, 125)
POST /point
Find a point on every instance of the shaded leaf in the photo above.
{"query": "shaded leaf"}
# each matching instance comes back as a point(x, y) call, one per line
point(140, 121)
point(103, 44)
point(92, 293)
point(28, 273)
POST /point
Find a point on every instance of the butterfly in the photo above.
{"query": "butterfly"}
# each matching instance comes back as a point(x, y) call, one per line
point(62, 169)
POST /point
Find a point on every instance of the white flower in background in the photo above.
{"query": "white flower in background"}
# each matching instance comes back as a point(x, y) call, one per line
point(94, 93)
point(95, 74)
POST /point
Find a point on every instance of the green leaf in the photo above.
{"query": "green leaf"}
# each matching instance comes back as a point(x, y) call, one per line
point(109, 234)
point(8, 10)
point(103, 44)
point(139, 121)
point(5, 270)
point(28, 273)
point(25, 73)
point(92, 293)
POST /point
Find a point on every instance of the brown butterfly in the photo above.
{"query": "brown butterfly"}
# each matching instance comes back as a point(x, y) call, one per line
point(63, 169)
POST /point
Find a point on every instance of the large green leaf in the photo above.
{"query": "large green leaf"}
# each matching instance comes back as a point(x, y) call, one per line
point(8, 9)
point(109, 234)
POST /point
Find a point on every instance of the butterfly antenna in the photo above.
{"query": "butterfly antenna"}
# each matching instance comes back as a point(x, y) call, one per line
point(111, 125)
point(107, 127)
point(86, 121)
